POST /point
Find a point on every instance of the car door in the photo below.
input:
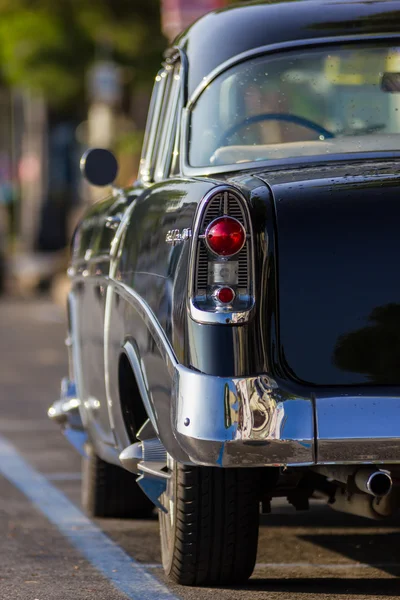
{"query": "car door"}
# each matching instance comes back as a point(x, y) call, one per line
point(145, 222)
point(109, 215)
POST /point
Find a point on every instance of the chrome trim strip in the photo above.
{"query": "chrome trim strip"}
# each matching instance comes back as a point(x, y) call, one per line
point(146, 165)
point(221, 316)
point(151, 321)
point(175, 103)
point(149, 164)
point(295, 163)
point(189, 171)
point(141, 381)
point(99, 258)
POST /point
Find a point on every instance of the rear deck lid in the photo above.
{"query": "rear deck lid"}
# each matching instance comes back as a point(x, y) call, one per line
point(338, 253)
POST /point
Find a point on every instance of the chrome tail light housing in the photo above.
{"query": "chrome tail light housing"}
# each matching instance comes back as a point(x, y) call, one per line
point(222, 259)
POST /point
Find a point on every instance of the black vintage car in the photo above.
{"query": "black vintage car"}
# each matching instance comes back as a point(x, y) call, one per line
point(235, 315)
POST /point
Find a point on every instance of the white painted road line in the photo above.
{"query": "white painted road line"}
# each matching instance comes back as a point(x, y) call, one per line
point(127, 575)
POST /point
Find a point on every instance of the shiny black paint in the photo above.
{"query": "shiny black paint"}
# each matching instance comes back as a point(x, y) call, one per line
point(339, 290)
point(92, 234)
point(219, 350)
point(156, 270)
point(326, 245)
point(91, 260)
point(225, 33)
point(325, 287)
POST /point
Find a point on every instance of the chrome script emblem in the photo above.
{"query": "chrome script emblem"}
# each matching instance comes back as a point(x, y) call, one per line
point(174, 236)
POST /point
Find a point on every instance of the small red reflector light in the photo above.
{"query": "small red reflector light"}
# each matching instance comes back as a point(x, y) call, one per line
point(225, 236)
point(225, 295)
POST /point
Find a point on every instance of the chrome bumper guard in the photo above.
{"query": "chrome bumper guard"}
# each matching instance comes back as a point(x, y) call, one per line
point(65, 412)
point(240, 422)
point(252, 422)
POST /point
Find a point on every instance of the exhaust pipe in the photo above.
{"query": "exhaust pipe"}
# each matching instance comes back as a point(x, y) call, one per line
point(372, 481)
point(377, 483)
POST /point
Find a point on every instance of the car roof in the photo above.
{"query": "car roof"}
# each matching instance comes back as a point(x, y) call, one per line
point(223, 34)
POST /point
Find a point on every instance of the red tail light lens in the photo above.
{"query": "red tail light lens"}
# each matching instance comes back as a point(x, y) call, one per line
point(225, 295)
point(225, 236)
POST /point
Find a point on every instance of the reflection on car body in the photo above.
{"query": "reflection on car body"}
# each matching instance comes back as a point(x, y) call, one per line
point(234, 316)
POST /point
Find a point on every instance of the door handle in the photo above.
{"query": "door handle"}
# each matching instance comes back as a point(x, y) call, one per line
point(114, 221)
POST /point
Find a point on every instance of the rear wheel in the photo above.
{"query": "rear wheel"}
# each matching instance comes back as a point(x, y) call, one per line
point(111, 491)
point(209, 535)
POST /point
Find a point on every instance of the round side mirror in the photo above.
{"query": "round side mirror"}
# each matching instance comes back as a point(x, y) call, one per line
point(99, 166)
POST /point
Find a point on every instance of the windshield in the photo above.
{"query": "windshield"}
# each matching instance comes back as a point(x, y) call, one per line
point(312, 102)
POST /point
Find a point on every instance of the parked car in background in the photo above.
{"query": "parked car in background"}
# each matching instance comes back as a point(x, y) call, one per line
point(234, 316)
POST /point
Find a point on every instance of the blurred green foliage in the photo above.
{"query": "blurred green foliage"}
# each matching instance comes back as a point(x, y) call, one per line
point(48, 45)
point(129, 143)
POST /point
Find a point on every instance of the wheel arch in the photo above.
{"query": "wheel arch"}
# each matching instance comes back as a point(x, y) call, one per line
point(134, 396)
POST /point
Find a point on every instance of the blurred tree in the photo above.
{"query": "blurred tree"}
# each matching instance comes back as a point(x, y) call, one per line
point(48, 46)
point(47, 49)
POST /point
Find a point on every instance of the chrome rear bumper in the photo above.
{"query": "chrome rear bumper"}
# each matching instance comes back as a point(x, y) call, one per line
point(252, 422)
point(358, 429)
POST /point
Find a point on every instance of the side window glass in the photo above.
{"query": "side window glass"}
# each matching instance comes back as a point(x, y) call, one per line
point(168, 124)
point(152, 125)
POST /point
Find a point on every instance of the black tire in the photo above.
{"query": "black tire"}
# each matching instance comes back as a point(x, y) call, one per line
point(210, 535)
point(111, 491)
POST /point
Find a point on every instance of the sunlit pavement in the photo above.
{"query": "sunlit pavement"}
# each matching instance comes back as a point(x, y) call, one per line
point(317, 554)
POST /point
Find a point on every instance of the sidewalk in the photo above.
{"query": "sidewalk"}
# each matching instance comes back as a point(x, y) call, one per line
point(30, 273)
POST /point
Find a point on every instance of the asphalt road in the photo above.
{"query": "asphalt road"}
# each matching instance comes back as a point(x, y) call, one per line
point(319, 554)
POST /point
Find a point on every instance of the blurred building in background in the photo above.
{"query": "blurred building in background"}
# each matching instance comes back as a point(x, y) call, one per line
point(72, 75)
point(179, 14)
